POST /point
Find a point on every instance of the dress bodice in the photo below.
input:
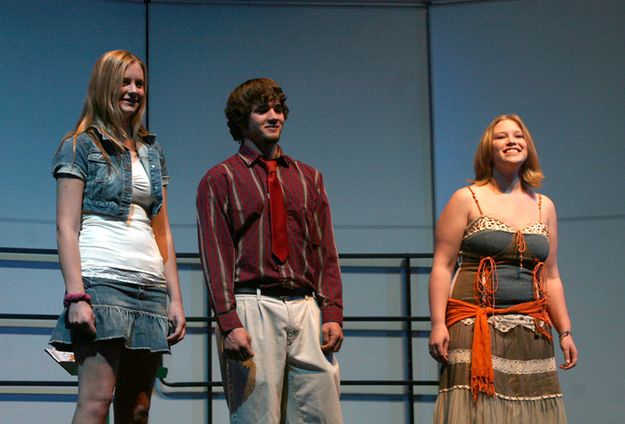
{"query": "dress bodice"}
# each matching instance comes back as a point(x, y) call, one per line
point(490, 236)
point(499, 263)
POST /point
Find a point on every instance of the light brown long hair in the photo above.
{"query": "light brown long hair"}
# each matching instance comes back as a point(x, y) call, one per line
point(530, 173)
point(101, 108)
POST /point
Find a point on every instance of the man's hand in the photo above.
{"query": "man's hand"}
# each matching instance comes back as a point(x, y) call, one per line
point(332, 337)
point(238, 344)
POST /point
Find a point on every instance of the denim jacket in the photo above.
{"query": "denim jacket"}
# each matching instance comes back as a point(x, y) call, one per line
point(108, 188)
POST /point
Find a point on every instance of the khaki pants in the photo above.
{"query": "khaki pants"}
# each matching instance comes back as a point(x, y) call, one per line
point(289, 380)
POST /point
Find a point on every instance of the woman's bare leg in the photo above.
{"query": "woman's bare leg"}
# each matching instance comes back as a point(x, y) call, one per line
point(97, 369)
point(135, 382)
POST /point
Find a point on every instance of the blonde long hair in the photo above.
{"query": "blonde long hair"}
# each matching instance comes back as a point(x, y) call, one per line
point(101, 107)
point(530, 173)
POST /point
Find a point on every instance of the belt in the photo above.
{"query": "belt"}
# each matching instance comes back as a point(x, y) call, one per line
point(278, 292)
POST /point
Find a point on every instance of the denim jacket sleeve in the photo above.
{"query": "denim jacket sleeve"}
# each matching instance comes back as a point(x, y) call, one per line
point(71, 161)
point(164, 172)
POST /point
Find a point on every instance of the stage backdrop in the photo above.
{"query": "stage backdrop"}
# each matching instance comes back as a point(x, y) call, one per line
point(358, 81)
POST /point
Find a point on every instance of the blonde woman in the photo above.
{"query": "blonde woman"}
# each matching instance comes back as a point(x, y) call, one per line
point(115, 247)
point(491, 322)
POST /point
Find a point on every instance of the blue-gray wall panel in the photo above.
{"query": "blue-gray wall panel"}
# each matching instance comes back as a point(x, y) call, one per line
point(357, 90)
point(47, 50)
point(557, 63)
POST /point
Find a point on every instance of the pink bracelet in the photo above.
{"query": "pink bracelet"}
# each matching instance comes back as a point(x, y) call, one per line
point(75, 298)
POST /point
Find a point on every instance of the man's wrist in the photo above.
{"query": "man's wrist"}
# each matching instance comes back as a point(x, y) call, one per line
point(332, 314)
point(226, 332)
point(228, 321)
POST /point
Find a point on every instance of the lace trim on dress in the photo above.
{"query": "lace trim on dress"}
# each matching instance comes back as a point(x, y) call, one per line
point(485, 222)
point(519, 398)
point(505, 323)
point(507, 366)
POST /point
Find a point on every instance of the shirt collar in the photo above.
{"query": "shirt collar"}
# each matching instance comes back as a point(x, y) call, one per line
point(251, 154)
point(147, 139)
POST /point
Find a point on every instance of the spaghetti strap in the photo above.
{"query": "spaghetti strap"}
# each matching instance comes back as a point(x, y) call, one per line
point(540, 209)
point(476, 202)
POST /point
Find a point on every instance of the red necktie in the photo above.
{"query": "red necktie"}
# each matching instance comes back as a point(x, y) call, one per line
point(279, 240)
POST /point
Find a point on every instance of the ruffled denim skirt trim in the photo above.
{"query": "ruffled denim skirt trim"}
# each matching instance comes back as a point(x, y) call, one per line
point(133, 313)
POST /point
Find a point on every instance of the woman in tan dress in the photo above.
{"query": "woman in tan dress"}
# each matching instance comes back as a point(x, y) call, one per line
point(492, 319)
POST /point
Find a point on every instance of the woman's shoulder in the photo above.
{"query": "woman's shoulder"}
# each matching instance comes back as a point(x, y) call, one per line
point(462, 200)
point(542, 197)
point(150, 141)
point(538, 197)
point(81, 143)
point(466, 194)
point(546, 204)
point(156, 146)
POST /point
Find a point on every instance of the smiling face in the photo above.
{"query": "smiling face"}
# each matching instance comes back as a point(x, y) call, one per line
point(265, 124)
point(132, 91)
point(509, 147)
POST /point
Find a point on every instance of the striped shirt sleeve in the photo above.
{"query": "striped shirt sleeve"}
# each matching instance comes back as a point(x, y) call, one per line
point(217, 250)
point(329, 285)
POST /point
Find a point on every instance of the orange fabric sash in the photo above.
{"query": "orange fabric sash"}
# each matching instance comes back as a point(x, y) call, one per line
point(482, 373)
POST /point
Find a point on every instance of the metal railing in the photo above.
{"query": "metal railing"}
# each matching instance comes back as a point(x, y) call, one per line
point(405, 269)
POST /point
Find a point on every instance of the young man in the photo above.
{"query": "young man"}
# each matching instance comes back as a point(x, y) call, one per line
point(270, 262)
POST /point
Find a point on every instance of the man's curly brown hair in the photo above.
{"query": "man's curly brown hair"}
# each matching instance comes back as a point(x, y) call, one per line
point(246, 97)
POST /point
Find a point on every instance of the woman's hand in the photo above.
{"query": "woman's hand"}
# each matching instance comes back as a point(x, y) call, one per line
point(569, 350)
point(81, 317)
point(176, 317)
point(439, 343)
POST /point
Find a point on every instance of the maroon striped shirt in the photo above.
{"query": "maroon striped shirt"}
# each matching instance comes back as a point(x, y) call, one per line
point(234, 234)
